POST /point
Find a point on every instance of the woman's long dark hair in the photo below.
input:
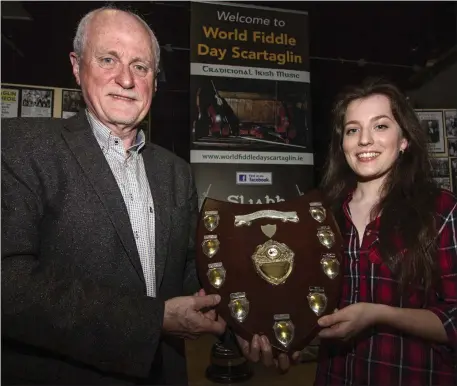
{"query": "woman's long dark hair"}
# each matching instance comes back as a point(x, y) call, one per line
point(408, 195)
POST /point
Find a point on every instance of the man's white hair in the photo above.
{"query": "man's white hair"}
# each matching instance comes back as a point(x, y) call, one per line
point(79, 40)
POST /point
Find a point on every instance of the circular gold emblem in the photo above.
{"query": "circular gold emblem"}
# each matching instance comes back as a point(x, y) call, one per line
point(273, 261)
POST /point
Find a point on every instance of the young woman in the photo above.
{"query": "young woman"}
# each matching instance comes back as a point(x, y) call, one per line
point(397, 320)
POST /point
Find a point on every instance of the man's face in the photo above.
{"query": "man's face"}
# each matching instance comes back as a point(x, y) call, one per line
point(117, 69)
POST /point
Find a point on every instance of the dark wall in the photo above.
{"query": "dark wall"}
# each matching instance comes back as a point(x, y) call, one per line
point(406, 34)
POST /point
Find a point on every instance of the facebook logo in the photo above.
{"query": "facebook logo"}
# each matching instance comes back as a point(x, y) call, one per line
point(254, 178)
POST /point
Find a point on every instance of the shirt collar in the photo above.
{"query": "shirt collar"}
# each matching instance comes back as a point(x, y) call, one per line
point(104, 135)
point(373, 226)
point(346, 202)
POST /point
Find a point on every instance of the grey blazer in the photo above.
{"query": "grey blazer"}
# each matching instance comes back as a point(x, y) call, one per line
point(74, 304)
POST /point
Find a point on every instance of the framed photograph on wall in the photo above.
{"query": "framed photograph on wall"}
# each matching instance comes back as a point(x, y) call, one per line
point(452, 146)
point(444, 183)
point(10, 102)
point(38, 102)
point(72, 103)
point(432, 123)
point(453, 166)
point(440, 167)
point(450, 122)
point(441, 172)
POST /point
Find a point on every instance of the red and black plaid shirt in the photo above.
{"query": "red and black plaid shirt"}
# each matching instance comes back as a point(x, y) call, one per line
point(382, 355)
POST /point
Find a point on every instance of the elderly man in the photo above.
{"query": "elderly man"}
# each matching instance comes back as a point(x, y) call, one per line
point(98, 229)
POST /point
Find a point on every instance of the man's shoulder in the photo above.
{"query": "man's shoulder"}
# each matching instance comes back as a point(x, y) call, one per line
point(32, 122)
point(29, 129)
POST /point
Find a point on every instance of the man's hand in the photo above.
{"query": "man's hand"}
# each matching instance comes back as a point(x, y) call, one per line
point(260, 349)
point(211, 313)
point(183, 316)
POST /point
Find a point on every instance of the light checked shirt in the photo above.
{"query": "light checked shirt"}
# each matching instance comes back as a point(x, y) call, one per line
point(130, 174)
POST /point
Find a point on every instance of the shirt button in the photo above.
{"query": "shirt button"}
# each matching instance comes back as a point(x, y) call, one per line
point(136, 234)
point(368, 233)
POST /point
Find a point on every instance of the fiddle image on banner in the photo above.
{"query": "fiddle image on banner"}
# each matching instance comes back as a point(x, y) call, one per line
point(249, 113)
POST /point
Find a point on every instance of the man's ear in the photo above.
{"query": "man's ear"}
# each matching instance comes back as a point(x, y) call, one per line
point(74, 59)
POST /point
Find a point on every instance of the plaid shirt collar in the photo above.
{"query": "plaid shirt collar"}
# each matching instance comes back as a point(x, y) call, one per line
point(372, 227)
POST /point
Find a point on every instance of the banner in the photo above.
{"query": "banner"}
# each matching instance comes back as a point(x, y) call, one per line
point(251, 136)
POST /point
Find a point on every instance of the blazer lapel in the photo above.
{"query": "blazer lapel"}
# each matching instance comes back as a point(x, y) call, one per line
point(88, 154)
point(161, 194)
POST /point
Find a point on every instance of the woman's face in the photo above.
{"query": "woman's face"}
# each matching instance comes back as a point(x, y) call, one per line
point(372, 138)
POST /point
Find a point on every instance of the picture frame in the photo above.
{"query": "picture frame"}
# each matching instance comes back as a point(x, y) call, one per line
point(450, 122)
point(453, 171)
point(433, 124)
point(441, 172)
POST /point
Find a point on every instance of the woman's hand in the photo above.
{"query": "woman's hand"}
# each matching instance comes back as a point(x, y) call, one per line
point(349, 321)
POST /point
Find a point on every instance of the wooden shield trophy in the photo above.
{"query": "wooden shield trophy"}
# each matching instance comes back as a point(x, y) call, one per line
point(275, 266)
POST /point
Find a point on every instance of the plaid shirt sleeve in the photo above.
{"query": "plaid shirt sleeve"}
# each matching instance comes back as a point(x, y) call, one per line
point(446, 306)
